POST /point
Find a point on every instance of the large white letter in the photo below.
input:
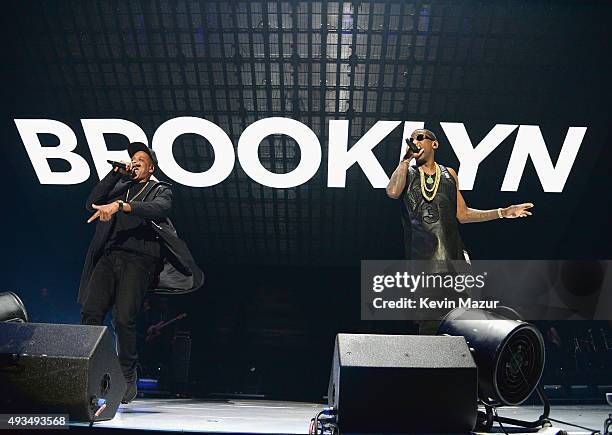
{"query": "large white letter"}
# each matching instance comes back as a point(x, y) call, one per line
point(529, 141)
point(39, 155)
point(164, 138)
point(94, 130)
point(310, 151)
point(361, 153)
point(470, 157)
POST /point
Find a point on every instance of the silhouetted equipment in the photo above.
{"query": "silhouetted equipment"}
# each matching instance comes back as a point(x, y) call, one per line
point(181, 358)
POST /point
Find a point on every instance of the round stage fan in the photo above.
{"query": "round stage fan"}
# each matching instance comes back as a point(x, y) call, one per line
point(11, 308)
point(509, 353)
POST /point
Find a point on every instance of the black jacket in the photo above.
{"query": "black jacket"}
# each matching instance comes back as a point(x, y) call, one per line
point(179, 274)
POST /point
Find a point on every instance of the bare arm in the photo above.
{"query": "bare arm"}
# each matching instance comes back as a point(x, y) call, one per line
point(398, 180)
point(399, 177)
point(467, 215)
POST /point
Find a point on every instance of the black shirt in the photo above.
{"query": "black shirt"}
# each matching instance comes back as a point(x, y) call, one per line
point(132, 233)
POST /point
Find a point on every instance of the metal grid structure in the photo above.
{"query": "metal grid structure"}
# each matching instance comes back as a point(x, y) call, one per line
point(236, 62)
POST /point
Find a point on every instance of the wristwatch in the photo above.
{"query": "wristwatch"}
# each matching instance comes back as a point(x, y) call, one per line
point(120, 205)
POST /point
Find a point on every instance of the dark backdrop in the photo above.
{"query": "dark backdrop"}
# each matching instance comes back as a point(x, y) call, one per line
point(283, 264)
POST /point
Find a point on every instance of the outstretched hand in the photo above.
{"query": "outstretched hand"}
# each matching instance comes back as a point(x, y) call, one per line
point(516, 211)
point(104, 212)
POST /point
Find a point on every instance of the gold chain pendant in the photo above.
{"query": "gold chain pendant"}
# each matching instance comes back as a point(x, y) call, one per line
point(435, 181)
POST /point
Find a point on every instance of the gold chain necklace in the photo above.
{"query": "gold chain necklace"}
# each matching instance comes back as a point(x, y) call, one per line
point(135, 196)
point(436, 184)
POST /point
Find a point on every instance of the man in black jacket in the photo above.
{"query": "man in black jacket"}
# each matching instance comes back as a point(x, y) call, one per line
point(135, 249)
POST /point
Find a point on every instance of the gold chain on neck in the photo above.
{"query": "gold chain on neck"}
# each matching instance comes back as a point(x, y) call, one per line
point(424, 189)
point(135, 196)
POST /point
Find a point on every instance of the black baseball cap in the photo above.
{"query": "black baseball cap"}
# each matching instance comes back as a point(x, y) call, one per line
point(134, 147)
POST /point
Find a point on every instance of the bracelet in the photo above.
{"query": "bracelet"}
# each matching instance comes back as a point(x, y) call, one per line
point(120, 205)
point(499, 213)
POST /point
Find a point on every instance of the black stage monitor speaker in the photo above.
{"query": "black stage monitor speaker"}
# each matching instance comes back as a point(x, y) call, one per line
point(403, 383)
point(47, 368)
point(12, 308)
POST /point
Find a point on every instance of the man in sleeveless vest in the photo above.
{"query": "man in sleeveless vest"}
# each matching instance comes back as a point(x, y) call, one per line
point(135, 249)
point(432, 204)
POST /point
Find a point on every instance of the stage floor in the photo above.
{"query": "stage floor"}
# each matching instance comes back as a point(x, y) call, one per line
point(277, 417)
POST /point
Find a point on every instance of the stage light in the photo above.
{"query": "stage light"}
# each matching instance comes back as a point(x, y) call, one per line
point(509, 353)
point(12, 308)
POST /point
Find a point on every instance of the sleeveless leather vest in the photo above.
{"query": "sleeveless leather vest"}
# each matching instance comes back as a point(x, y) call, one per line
point(430, 227)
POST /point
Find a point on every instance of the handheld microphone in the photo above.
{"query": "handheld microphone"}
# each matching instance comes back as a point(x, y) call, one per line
point(413, 147)
point(117, 164)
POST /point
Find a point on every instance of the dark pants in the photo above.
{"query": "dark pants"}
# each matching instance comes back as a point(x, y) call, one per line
point(120, 280)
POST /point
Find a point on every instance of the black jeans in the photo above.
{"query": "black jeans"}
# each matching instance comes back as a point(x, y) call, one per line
point(120, 280)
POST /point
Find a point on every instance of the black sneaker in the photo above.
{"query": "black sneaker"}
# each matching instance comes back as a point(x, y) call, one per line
point(130, 393)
